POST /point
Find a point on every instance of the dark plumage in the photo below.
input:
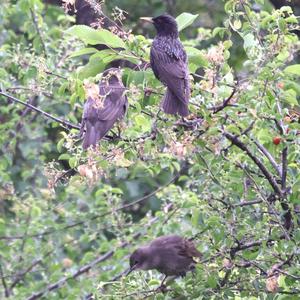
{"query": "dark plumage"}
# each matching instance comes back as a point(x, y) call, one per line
point(170, 255)
point(99, 118)
point(169, 63)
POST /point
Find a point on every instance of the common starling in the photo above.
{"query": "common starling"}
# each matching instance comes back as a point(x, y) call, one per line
point(99, 115)
point(170, 65)
point(170, 255)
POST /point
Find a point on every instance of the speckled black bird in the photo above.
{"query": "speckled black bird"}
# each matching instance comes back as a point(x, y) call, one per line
point(170, 65)
point(99, 115)
point(170, 255)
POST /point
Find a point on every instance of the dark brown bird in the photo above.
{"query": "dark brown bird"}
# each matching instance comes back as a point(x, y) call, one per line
point(100, 115)
point(170, 65)
point(170, 255)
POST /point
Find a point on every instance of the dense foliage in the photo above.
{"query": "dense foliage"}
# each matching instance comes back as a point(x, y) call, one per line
point(230, 179)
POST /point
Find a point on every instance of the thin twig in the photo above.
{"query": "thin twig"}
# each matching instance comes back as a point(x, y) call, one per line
point(56, 75)
point(36, 25)
point(246, 203)
point(225, 103)
point(22, 274)
point(88, 266)
point(56, 119)
point(47, 232)
point(6, 290)
point(80, 271)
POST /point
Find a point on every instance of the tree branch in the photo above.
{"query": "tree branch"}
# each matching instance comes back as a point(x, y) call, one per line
point(56, 119)
point(284, 168)
point(80, 271)
point(235, 140)
point(268, 156)
point(90, 265)
point(22, 274)
point(36, 25)
point(246, 203)
point(47, 232)
point(6, 290)
point(225, 103)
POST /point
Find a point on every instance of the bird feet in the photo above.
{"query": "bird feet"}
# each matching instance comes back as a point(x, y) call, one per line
point(189, 124)
point(162, 289)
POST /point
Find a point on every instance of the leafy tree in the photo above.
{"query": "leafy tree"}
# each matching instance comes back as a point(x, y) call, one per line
point(230, 179)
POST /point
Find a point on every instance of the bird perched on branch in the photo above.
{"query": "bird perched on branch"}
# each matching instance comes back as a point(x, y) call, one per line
point(103, 107)
point(170, 255)
point(170, 65)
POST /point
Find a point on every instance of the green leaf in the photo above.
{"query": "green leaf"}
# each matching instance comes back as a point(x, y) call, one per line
point(154, 282)
point(73, 162)
point(64, 156)
point(249, 41)
point(293, 69)
point(94, 37)
point(35, 211)
point(219, 30)
point(195, 217)
point(281, 281)
point(185, 19)
point(237, 24)
point(263, 135)
point(98, 62)
point(212, 281)
point(83, 51)
point(60, 145)
point(291, 97)
point(196, 57)
point(94, 67)
point(143, 122)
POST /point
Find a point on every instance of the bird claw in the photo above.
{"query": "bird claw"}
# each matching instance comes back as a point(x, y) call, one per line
point(189, 124)
point(162, 289)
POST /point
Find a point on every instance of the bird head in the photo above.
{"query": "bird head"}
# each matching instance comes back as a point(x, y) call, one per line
point(139, 260)
point(112, 75)
point(164, 25)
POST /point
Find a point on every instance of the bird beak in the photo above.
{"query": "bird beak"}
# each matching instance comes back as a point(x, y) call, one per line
point(147, 19)
point(130, 270)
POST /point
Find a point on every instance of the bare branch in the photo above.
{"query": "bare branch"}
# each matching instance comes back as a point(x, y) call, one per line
point(22, 274)
point(51, 231)
point(56, 75)
point(90, 265)
point(246, 203)
point(268, 156)
point(284, 168)
point(63, 122)
point(6, 290)
point(36, 25)
point(235, 140)
point(225, 103)
point(80, 271)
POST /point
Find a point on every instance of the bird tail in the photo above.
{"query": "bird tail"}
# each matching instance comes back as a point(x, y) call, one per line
point(90, 136)
point(172, 105)
point(95, 132)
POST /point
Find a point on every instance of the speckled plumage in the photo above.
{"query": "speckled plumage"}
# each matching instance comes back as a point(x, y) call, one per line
point(98, 121)
point(169, 63)
point(170, 255)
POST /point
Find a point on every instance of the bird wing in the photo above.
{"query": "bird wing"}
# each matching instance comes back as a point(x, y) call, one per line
point(187, 248)
point(114, 102)
point(172, 71)
point(166, 240)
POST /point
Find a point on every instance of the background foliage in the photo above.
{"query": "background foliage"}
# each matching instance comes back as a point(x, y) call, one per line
point(70, 218)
